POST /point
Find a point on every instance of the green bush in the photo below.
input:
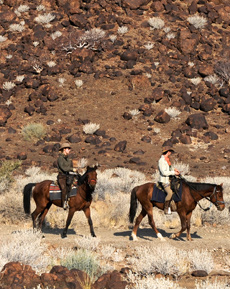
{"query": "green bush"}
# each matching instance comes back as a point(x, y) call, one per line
point(34, 131)
point(6, 169)
point(85, 261)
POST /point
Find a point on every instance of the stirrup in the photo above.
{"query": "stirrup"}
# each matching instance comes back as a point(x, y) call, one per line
point(65, 205)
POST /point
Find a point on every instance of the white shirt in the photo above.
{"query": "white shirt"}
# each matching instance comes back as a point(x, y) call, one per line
point(165, 170)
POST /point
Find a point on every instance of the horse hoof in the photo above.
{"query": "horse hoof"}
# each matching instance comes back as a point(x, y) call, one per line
point(133, 237)
point(172, 236)
point(160, 237)
point(63, 235)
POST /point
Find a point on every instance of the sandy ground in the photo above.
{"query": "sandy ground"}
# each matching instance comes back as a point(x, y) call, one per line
point(215, 239)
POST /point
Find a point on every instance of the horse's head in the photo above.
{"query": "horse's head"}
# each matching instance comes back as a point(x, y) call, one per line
point(217, 197)
point(91, 176)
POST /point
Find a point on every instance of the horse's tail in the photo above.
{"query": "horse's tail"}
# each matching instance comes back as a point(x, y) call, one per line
point(133, 205)
point(27, 192)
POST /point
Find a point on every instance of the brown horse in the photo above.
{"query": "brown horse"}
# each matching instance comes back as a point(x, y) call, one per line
point(192, 193)
point(82, 200)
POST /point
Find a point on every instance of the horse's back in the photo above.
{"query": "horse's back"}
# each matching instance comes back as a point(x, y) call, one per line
point(144, 190)
point(42, 187)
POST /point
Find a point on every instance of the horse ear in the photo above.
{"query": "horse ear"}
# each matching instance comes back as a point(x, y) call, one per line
point(221, 185)
point(95, 167)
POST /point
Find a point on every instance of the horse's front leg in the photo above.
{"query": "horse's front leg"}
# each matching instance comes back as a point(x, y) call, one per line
point(68, 221)
point(90, 222)
point(183, 220)
point(189, 238)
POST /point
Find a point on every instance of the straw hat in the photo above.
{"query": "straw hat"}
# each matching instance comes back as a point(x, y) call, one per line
point(64, 146)
point(167, 148)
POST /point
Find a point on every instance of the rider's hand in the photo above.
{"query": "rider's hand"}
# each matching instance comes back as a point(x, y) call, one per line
point(74, 170)
point(177, 173)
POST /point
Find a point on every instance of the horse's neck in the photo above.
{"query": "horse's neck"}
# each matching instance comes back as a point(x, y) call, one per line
point(200, 193)
point(86, 191)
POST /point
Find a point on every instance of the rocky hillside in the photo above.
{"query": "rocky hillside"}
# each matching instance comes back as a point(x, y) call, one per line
point(142, 73)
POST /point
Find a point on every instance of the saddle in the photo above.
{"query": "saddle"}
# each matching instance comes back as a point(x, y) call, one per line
point(159, 194)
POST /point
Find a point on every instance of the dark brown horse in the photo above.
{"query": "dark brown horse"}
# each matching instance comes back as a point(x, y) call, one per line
point(192, 193)
point(82, 200)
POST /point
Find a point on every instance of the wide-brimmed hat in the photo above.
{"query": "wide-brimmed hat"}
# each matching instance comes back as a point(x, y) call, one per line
point(64, 146)
point(167, 148)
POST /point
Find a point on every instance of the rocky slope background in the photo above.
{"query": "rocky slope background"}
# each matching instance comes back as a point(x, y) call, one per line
point(143, 72)
point(139, 73)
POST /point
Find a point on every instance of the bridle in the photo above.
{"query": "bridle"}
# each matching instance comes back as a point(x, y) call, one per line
point(214, 193)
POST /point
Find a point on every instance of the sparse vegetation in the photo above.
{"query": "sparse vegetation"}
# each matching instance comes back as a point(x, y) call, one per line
point(90, 128)
point(45, 18)
point(122, 30)
point(83, 260)
point(78, 82)
point(197, 21)
point(8, 85)
point(222, 69)
point(156, 23)
point(34, 131)
point(6, 169)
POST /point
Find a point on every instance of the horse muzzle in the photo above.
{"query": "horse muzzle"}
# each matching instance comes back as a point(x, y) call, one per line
point(220, 206)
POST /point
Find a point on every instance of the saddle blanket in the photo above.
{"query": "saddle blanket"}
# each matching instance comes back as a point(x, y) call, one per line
point(159, 195)
point(55, 192)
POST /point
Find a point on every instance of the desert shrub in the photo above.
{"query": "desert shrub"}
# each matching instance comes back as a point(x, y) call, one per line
point(201, 260)
point(164, 259)
point(90, 128)
point(149, 45)
point(113, 37)
point(25, 247)
point(173, 112)
point(6, 169)
point(51, 63)
point(150, 282)
point(156, 23)
point(32, 175)
point(87, 242)
point(197, 21)
point(134, 112)
point(8, 85)
point(94, 34)
point(78, 83)
point(122, 30)
point(85, 261)
point(20, 78)
point(171, 35)
point(56, 34)
point(17, 27)
point(212, 284)
point(23, 8)
point(2, 38)
point(222, 69)
point(45, 18)
point(195, 80)
point(33, 131)
point(167, 259)
point(118, 180)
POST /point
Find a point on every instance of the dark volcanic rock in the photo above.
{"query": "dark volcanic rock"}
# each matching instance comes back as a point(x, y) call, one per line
point(162, 117)
point(5, 113)
point(197, 121)
point(121, 146)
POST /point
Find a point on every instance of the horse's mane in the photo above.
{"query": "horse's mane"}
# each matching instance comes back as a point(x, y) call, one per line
point(199, 186)
point(82, 178)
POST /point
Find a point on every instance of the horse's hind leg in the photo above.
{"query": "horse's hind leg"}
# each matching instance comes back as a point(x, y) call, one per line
point(34, 216)
point(152, 224)
point(43, 214)
point(142, 214)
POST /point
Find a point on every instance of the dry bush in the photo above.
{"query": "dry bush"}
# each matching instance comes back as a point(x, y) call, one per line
point(197, 21)
point(25, 247)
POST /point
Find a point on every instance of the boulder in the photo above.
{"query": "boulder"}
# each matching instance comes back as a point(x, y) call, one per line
point(5, 113)
point(197, 121)
point(162, 117)
point(121, 146)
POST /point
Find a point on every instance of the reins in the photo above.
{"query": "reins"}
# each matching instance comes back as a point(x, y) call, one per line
point(207, 198)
